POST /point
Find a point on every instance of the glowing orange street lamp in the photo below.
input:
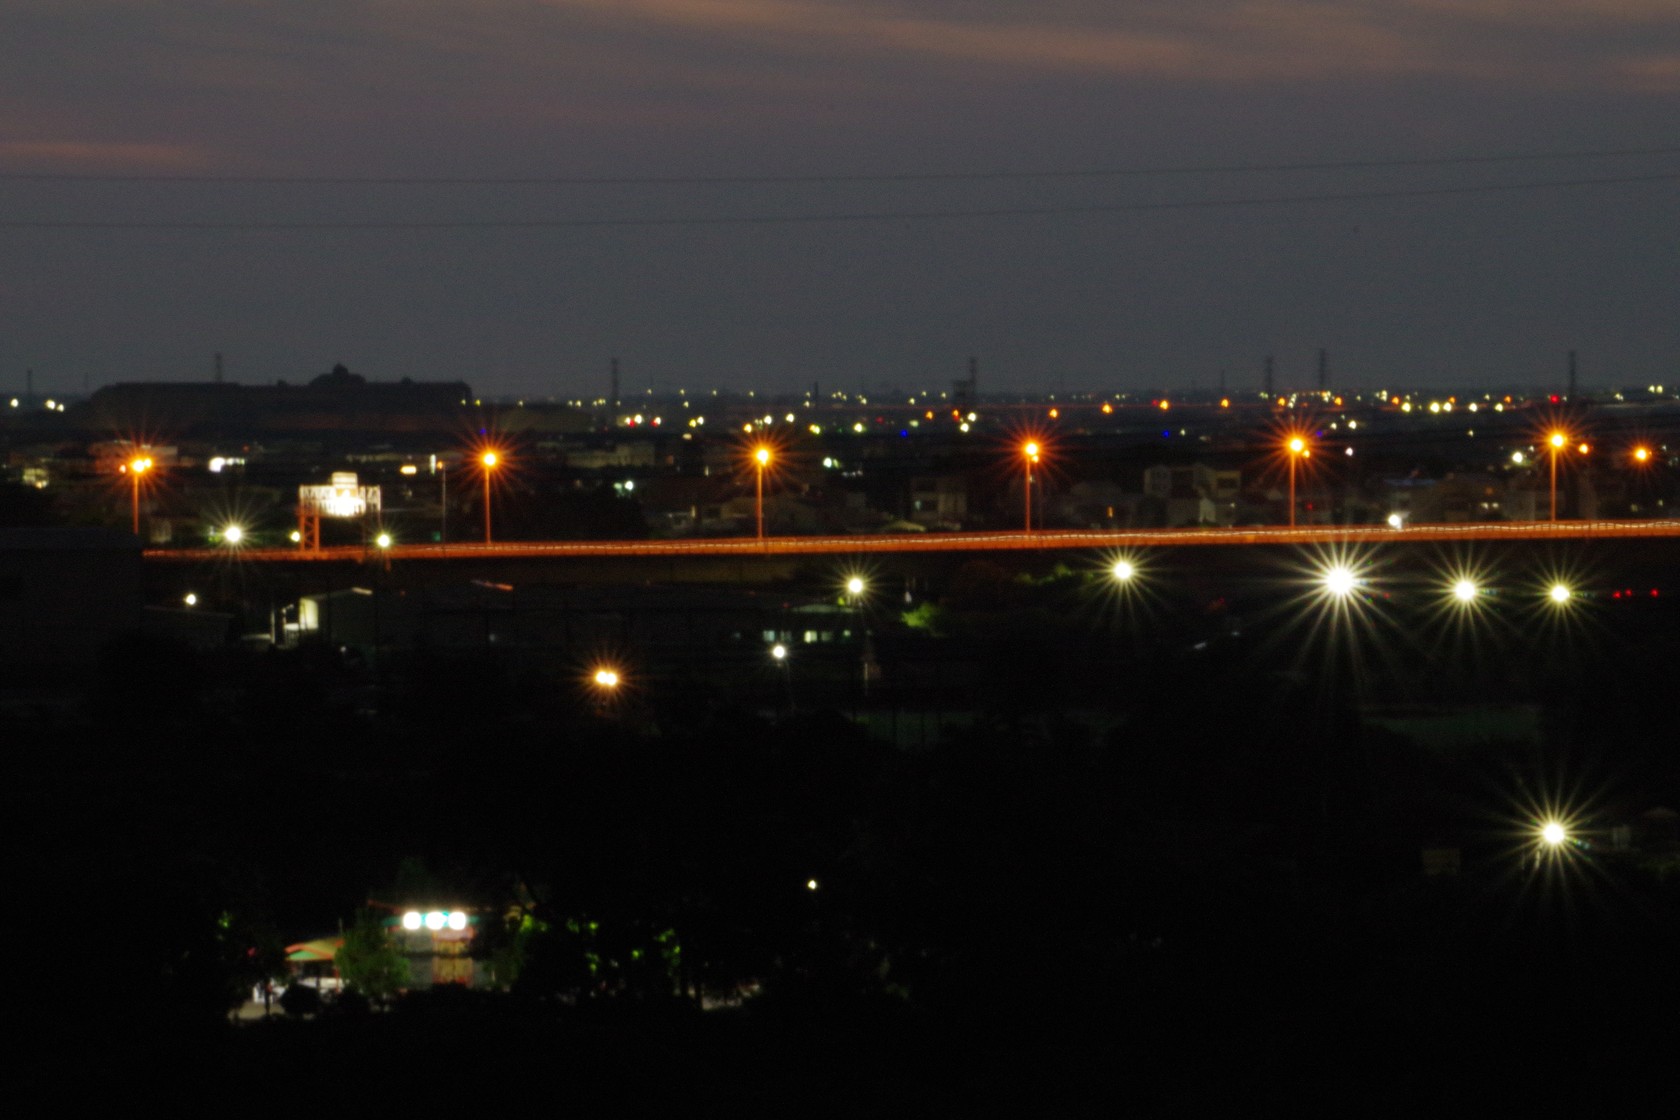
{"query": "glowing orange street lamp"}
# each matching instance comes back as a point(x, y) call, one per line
point(1557, 440)
point(488, 461)
point(1297, 447)
point(1030, 451)
point(761, 459)
point(605, 683)
point(137, 466)
point(1642, 455)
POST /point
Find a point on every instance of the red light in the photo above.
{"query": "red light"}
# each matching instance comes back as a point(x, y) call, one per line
point(1554, 398)
point(1615, 594)
point(1653, 593)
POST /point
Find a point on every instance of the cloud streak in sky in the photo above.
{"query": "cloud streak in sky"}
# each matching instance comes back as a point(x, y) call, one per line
point(125, 80)
point(1257, 40)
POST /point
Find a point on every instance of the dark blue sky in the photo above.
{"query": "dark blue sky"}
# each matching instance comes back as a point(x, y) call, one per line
point(1089, 281)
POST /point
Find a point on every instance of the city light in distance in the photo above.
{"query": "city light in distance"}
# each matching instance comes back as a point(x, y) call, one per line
point(1465, 591)
point(233, 534)
point(383, 540)
point(1559, 593)
point(1123, 570)
point(1552, 833)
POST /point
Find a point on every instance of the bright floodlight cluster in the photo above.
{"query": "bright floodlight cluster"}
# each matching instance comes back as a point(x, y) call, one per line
point(435, 920)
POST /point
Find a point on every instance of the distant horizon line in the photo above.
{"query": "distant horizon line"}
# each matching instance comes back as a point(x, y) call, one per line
point(897, 395)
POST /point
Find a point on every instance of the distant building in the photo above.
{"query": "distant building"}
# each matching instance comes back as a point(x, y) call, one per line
point(620, 454)
point(1454, 499)
point(337, 401)
point(1194, 494)
point(940, 500)
point(1097, 504)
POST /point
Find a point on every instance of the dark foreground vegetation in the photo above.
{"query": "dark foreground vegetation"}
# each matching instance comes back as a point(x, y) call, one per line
point(1167, 859)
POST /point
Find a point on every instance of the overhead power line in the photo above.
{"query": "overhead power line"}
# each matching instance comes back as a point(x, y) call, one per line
point(860, 216)
point(885, 177)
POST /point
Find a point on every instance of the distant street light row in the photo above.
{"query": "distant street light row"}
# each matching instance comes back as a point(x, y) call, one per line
point(1295, 446)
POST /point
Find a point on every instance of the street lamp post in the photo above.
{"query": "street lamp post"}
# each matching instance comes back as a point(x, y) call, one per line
point(1552, 841)
point(137, 467)
point(779, 654)
point(1030, 451)
point(1557, 441)
point(761, 459)
point(488, 460)
point(1297, 448)
point(855, 589)
point(604, 683)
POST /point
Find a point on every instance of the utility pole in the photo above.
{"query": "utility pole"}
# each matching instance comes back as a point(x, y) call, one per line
point(612, 396)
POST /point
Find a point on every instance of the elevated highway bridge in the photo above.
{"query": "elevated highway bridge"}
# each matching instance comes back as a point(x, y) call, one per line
point(1051, 540)
point(1620, 550)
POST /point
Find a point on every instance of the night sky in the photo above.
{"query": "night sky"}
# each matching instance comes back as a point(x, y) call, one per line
point(769, 193)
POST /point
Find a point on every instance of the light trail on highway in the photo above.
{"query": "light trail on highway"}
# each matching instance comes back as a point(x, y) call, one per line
point(996, 541)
